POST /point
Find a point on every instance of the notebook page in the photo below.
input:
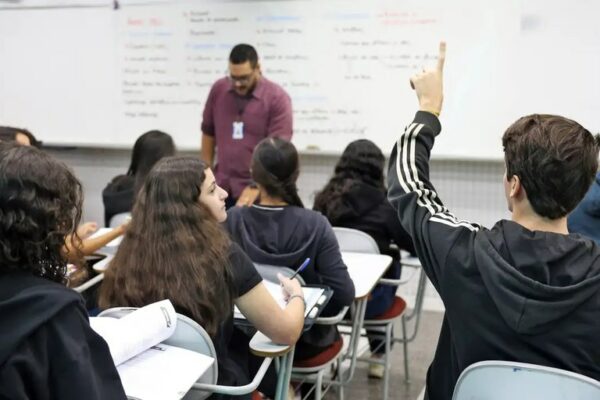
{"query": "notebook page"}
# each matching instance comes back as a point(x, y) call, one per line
point(311, 296)
point(162, 372)
point(137, 331)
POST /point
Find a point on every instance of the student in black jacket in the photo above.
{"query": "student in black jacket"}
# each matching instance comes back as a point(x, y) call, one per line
point(526, 290)
point(119, 195)
point(355, 197)
point(47, 349)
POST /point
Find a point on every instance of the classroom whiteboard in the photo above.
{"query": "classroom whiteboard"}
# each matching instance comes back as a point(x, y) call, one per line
point(101, 77)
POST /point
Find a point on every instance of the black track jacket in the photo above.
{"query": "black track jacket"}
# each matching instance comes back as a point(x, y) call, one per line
point(510, 293)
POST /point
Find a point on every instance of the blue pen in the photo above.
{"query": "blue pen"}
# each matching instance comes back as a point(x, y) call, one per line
point(301, 267)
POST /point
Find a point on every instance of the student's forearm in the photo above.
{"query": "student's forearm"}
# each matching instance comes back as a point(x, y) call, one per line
point(294, 317)
point(91, 245)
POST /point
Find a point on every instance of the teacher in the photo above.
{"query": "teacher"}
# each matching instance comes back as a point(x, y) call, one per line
point(241, 110)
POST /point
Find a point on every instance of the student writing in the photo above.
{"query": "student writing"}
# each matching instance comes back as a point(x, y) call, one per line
point(175, 248)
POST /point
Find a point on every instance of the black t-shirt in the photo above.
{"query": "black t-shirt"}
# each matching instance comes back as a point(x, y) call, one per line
point(245, 277)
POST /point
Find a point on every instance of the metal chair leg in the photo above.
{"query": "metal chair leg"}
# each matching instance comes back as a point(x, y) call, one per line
point(319, 384)
point(387, 359)
point(340, 380)
point(405, 347)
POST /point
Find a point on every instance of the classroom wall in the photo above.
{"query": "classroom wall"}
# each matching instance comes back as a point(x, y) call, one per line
point(471, 189)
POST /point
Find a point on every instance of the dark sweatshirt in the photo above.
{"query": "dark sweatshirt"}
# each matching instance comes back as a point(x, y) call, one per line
point(286, 236)
point(118, 196)
point(510, 294)
point(585, 218)
point(47, 349)
point(367, 209)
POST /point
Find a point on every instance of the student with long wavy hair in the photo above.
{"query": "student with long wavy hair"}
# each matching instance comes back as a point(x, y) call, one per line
point(355, 197)
point(278, 230)
point(47, 348)
point(119, 195)
point(175, 248)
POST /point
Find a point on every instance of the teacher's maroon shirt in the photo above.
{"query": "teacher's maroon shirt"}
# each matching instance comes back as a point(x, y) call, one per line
point(266, 112)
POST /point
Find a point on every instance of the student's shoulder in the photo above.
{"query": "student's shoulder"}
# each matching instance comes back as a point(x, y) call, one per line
point(238, 257)
point(311, 218)
point(27, 286)
point(235, 214)
point(245, 275)
point(120, 183)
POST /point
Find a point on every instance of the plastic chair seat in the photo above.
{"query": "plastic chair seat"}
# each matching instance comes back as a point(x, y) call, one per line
point(394, 311)
point(324, 357)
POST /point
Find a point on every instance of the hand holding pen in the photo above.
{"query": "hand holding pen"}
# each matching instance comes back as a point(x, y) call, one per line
point(290, 286)
point(301, 268)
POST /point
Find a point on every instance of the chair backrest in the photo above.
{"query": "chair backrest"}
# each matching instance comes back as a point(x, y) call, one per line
point(355, 241)
point(269, 272)
point(119, 219)
point(188, 335)
point(499, 380)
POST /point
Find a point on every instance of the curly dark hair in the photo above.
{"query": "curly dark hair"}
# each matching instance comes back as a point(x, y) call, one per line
point(361, 162)
point(556, 160)
point(173, 249)
point(40, 205)
point(275, 166)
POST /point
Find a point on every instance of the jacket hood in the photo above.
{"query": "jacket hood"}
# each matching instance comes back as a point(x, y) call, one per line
point(536, 278)
point(591, 201)
point(26, 303)
point(267, 237)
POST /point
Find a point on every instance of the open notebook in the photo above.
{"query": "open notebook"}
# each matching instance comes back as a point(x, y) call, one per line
point(312, 296)
point(150, 370)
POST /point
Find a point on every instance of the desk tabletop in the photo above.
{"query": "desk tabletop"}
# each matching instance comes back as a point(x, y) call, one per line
point(101, 265)
point(262, 346)
point(365, 270)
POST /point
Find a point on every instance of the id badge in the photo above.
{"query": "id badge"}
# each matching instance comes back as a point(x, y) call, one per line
point(238, 130)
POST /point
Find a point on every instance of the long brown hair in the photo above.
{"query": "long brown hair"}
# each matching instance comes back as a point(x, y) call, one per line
point(174, 249)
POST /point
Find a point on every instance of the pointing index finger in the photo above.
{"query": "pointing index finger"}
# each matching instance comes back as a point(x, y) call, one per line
point(441, 57)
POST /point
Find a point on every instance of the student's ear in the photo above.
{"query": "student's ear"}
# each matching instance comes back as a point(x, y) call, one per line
point(516, 188)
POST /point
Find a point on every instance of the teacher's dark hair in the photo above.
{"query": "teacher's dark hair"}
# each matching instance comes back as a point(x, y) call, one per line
point(242, 53)
point(40, 205)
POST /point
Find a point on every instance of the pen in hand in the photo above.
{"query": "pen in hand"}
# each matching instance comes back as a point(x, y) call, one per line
point(301, 268)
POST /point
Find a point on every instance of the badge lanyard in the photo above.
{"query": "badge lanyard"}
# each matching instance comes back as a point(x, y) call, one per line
point(238, 125)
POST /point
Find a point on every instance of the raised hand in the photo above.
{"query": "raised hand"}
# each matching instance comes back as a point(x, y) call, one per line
point(429, 85)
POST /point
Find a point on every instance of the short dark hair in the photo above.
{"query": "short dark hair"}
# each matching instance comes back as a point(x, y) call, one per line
point(40, 205)
point(556, 160)
point(9, 134)
point(242, 53)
